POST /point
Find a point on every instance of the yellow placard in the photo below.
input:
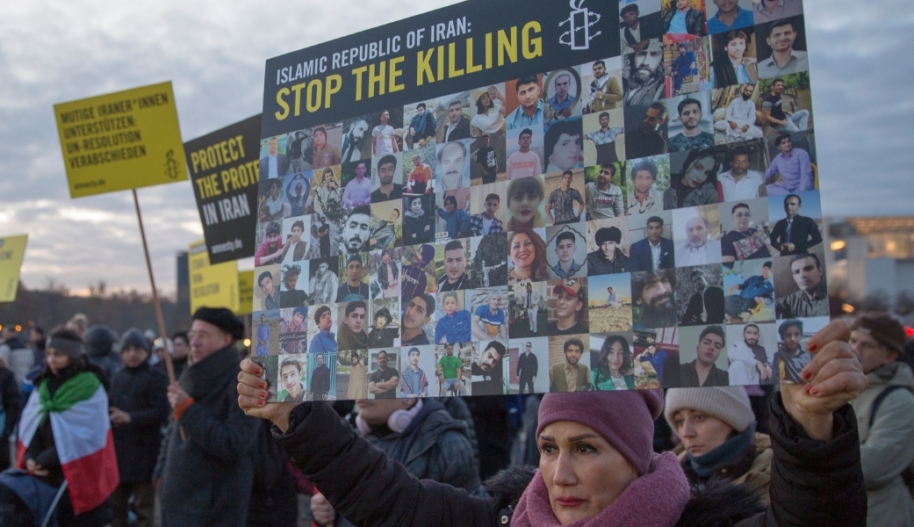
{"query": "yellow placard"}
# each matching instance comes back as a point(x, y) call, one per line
point(122, 140)
point(245, 292)
point(12, 249)
point(211, 285)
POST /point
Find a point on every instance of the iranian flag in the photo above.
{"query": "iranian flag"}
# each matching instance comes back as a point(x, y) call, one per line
point(78, 411)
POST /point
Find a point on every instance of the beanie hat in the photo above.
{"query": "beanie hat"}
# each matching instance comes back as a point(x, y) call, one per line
point(428, 253)
point(730, 404)
point(223, 319)
point(134, 338)
point(624, 419)
point(885, 329)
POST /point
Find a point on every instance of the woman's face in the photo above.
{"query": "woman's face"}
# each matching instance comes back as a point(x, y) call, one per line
point(615, 358)
point(291, 282)
point(523, 252)
point(697, 173)
point(56, 360)
point(485, 100)
point(524, 206)
point(700, 432)
point(583, 473)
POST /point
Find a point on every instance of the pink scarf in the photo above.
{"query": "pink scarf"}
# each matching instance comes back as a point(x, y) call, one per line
point(655, 499)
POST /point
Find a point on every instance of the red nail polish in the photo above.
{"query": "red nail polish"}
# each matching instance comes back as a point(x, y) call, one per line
point(807, 388)
point(261, 403)
point(263, 395)
point(263, 385)
point(812, 346)
point(815, 391)
point(807, 375)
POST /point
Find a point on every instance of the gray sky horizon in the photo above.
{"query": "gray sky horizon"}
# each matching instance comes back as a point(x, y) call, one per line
point(215, 55)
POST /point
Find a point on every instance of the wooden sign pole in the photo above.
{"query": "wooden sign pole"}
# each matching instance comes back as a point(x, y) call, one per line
point(169, 367)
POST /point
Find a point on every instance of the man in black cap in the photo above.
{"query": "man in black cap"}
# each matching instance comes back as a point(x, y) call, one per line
point(208, 452)
point(608, 258)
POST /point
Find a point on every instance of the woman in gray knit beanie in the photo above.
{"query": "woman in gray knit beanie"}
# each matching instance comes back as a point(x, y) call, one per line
point(717, 429)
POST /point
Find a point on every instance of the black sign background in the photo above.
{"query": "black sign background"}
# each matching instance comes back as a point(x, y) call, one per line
point(234, 233)
point(482, 16)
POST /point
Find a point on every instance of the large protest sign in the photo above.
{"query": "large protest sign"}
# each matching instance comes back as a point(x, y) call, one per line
point(540, 196)
point(120, 141)
point(224, 169)
point(12, 250)
point(213, 285)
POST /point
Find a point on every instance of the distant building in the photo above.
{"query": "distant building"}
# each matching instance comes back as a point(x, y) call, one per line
point(869, 255)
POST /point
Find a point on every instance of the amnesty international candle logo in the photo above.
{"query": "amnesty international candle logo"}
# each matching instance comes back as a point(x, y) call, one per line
point(171, 165)
point(579, 22)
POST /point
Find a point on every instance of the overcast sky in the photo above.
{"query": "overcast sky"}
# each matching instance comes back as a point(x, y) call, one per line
point(214, 54)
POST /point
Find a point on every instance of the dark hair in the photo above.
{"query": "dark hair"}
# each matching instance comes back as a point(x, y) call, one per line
point(565, 235)
point(421, 105)
point(289, 271)
point(787, 324)
point(453, 244)
point(603, 113)
point(641, 279)
point(567, 173)
point(450, 199)
point(388, 159)
point(525, 131)
point(600, 62)
point(695, 155)
point(527, 79)
point(301, 310)
point(499, 347)
point(645, 165)
point(272, 228)
point(494, 196)
point(364, 210)
point(767, 264)
point(753, 325)
point(320, 312)
point(628, 8)
point(429, 302)
point(352, 306)
point(780, 139)
point(555, 131)
point(740, 151)
point(654, 219)
point(738, 206)
point(626, 352)
point(687, 101)
point(791, 21)
point(716, 330)
point(660, 107)
point(263, 275)
point(320, 129)
point(696, 272)
point(735, 34)
point(574, 341)
point(479, 107)
point(383, 312)
point(300, 224)
point(799, 257)
point(290, 362)
point(175, 336)
point(355, 356)
point(788, 196)
point(609, 166)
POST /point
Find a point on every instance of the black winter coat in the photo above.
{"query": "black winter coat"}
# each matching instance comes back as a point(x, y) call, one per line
point(812, 482)
point(141, 392)
point(207, 475)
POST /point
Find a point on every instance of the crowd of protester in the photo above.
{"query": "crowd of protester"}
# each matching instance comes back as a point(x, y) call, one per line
point(206, 450)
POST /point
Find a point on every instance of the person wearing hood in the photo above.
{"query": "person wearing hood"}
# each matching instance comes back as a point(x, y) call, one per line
point(717, 430)
point(885, 419)
point(100, 349)
point(419, 434)
point(15, 354)
point(138, 409)
point(205, 466)
point(597, 466)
